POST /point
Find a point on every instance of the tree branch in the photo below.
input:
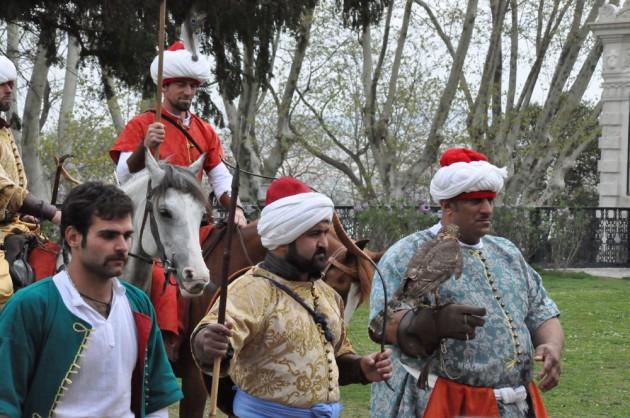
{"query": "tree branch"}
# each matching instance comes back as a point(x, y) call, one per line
point(449, 47)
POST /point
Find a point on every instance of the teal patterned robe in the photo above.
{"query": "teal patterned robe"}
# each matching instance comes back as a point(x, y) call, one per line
point(496, 277)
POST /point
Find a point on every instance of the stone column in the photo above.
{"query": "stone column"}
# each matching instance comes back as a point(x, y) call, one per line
point(613, 28)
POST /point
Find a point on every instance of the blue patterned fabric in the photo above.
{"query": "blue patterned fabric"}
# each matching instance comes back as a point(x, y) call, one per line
point(247, 406)
point(491, 359)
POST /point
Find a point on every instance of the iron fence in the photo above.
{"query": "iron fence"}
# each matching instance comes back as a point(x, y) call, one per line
point(547, 236)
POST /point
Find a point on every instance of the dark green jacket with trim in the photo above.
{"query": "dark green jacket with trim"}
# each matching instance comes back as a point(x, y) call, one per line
point(40, 342)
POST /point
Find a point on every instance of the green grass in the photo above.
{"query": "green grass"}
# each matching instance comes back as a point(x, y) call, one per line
point(595, 366)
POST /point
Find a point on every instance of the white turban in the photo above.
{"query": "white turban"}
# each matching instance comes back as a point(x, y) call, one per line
point(284, 220)
point(7, 70)
point(179, 64)
point(465, 177)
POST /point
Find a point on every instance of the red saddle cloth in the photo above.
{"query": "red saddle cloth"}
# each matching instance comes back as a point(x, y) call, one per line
point(452, 399)
point(43, 259)
point(171, 309)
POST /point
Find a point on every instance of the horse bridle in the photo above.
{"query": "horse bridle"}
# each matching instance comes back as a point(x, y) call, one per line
point(209, 249)
point(334, 262)
point(167, 263)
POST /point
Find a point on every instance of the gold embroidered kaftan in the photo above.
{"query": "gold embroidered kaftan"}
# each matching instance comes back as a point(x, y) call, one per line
point(280, 354)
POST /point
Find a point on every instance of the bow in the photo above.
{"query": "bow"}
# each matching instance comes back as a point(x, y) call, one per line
point(231, 226)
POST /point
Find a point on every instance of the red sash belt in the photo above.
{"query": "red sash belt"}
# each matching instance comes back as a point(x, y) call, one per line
point(452, 399)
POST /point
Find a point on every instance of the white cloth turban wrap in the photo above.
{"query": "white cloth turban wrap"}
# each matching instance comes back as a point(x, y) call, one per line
point(284, 220)
point(7, 70)
point(465, 177)
point(179, 64)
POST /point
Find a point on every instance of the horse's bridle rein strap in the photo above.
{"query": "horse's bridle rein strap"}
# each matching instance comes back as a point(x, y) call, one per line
point(332, 261)
point(168, 264)
point(209, 248)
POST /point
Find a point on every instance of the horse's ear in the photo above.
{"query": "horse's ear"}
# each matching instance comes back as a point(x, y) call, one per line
point(362, 243)
point(197, 165)
point(155, 171)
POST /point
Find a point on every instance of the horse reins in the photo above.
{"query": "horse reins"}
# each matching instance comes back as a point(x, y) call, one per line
point(167, 264)
point(333, 262)
point(213, 245)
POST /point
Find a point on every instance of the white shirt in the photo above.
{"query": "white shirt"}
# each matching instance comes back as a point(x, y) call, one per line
point(102, 388)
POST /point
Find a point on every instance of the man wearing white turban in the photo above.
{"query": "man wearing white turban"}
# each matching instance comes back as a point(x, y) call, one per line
point(181, 138)
point(284, 343)
point(496, 320)
point(15, 200)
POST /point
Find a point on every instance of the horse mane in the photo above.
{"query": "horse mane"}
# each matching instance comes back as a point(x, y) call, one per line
point(181, 179)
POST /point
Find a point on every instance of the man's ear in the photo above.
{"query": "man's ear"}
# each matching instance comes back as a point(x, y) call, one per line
point(280, 251)
point(73, 237)
point(448, 208)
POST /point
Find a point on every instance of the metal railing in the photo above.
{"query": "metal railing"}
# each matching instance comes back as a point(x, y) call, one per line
point(549, 236)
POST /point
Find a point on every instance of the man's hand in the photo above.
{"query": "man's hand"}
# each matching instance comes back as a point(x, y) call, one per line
point(57, 218)
point(155, 135)
point(549, 376)
point(30, 220)
point(548, 339)
point(239, 217)
point(212, 342)
point(448, 321)
point(458, 321)
point(377, 366)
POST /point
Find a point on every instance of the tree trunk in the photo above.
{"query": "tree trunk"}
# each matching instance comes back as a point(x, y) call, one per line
point(242, 125)
point(38, 181)
point(112, 101)
point(284, 135)
point(13, 115)
point(435, 139)
point(69, 93)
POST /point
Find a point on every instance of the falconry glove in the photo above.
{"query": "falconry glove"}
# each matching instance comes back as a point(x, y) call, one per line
point(421, 329)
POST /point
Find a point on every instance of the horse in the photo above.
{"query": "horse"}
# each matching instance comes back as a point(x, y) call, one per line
point(169, 205)
point(347, 271)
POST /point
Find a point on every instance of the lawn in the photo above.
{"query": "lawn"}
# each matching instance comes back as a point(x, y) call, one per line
point(595, 373)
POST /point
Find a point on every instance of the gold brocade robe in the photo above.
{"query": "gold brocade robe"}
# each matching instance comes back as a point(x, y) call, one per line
point(12, 177)
point(12, 194)
point(280, 354)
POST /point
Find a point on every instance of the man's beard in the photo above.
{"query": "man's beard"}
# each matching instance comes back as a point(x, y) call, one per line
point(5, 106)
point(182, 107)
point(313, 266)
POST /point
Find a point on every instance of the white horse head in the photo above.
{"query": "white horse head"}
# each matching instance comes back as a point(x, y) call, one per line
point(177, 205)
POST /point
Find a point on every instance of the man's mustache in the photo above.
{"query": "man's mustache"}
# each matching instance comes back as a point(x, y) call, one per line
point(122, 258)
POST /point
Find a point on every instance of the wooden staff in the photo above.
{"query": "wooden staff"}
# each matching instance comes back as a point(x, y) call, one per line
point(231, 226)
point(160, 71)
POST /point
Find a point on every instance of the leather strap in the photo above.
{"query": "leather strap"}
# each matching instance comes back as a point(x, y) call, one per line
point(188, 136)
point(318, 317)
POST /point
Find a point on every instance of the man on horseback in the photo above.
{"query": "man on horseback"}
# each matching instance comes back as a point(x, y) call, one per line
point(18, 207)
point(83, 343)
point(181, 139)
point(284, 344)
point(183, 136)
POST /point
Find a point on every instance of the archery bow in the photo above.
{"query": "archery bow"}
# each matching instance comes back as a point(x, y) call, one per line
point(160, 71)
point(61, 171)
point(231, 226)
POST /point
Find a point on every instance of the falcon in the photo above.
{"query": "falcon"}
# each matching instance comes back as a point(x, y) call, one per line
point(433, 263)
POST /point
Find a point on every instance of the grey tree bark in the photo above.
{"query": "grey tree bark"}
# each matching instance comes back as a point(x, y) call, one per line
point(13, 115)
point(37, 179)
point(68, 96)
point(112, 101)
